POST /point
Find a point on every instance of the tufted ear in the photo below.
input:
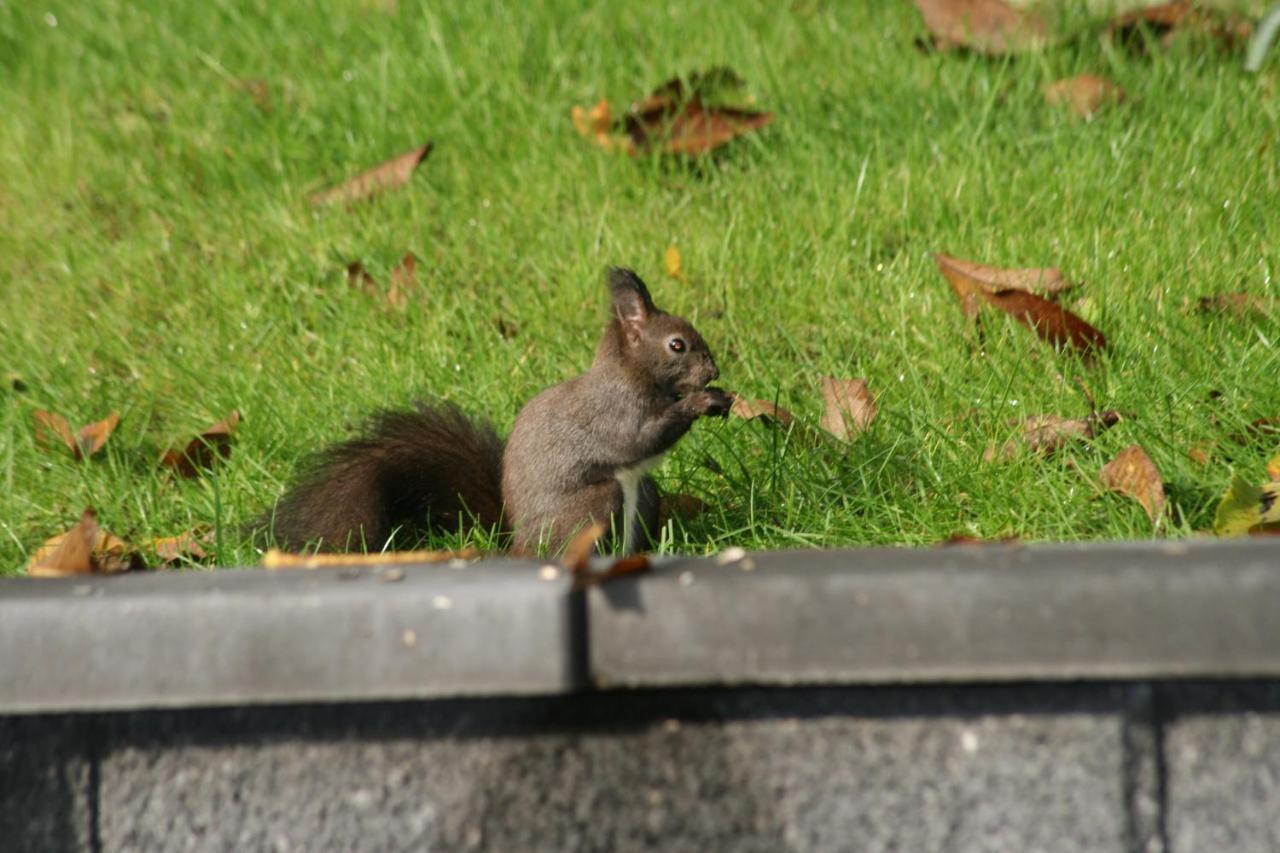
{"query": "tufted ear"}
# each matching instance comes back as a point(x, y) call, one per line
point(630, 299)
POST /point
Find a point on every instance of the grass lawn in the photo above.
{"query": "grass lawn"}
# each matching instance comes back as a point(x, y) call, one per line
point(158, 256)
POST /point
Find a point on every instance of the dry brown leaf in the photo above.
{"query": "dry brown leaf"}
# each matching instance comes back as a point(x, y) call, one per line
point(402, 281)
point(185, 547)
point(985, 26)
point(676, 118)
point(1167, 20)
point(1049, 433)
point(277, 559)
point(1006, 290)
point(1042, 280)
point(673, 263)
point(83, 443)
point(1085, 94)
point(84, 549)
point(593, 121)
point(576, 556)
point(394, 173)
point(850, 406)
point(203, 450)
point(1133, 473)
point(764, 409)
point(695, 129)
point(634, 564)
point(1242, 305)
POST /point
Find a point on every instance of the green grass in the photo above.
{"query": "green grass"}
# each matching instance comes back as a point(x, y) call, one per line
point(158, 256)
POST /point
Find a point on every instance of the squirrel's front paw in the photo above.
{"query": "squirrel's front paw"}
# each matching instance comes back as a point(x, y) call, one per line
point(713, 403)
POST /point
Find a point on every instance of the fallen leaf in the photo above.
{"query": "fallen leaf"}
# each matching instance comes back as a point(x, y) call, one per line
point(676, 118)
point(203, 450)
point(394, 173)
point(1199, 454)
point(1042, 280)
point(850, 406)
point(621, 567)
point(1246, 507)
point(1047, 434)
point(84, 549)
point(83, 443)
point(1133, 473)
point(1273, 469)
point(673, 263)
point(594, 123)
point(985, 26)
point(695, 129)
point(402, 281)
point(1168, 20)
point(576, 556)
point(764, 409)
point(274, 558)
point(683, 507)
point(1085, 94)
point(1241, 305)
point(185, 547)
point(1007, 290)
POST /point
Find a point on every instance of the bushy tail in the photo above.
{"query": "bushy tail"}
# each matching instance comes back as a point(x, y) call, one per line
point(408, 471)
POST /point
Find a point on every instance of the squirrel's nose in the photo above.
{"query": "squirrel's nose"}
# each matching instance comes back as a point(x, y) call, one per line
point(715, 372)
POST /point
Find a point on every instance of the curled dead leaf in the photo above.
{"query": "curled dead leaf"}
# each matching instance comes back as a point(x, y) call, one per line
point(1008, 291)
point(676, 118)
point(1048, 434)
point(1084, 94)
point(188, 546)
point(992, 27)
point(1133, 473)
point(850, 408)
point(763, 409)
point(204, 450)
point(82, 443)
point(84, 549)
point(389, 175)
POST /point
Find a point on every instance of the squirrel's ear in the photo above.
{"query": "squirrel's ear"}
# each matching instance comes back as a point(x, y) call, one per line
point(630, 298)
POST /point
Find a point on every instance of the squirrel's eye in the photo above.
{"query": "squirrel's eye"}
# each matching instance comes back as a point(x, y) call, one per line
point(676, 344)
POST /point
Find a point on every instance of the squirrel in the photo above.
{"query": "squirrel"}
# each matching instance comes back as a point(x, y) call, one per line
point(579, 452)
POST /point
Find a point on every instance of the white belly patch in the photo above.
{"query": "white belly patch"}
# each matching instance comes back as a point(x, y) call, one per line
point(629, 479)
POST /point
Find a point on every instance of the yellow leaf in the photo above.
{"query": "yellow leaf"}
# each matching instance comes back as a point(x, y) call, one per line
point(673, 263)
point(1273, 469)
point(1245, 506)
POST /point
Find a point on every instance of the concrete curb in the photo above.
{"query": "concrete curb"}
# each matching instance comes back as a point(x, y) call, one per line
point(250, 637)
point(1146, 610)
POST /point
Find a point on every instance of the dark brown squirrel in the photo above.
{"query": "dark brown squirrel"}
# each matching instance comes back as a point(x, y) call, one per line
point(578, 452)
